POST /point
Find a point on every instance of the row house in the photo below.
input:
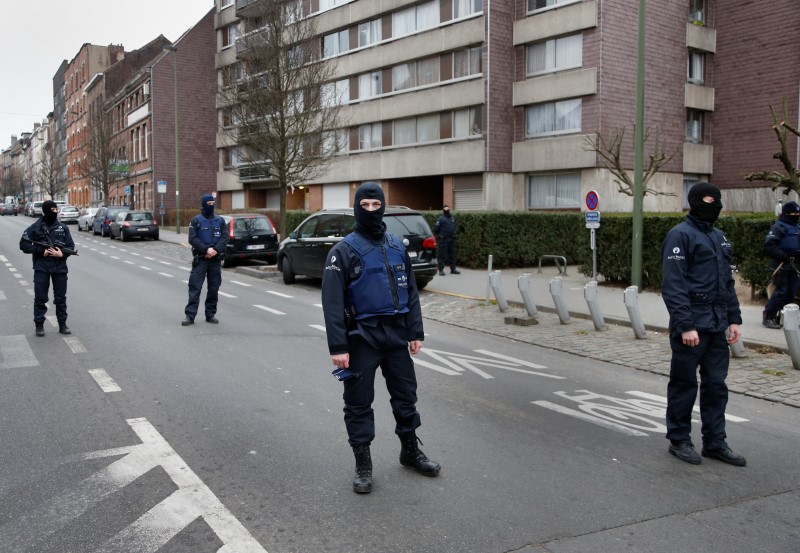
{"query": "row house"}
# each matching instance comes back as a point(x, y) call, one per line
point(490, 105)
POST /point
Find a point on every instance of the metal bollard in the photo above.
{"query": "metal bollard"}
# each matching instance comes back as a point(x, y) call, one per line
point(558, 300)
point(791, 329)
point(632, 305)
point(524, 285)
point(590, 294)
point(497, 288)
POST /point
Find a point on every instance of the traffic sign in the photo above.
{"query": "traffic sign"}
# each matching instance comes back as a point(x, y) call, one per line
point(592, 200)
point(593, 225)
point(592, 216)
point(162, 187)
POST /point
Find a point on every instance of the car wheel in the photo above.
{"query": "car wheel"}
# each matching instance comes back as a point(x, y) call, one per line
point(155, 236)
point(227, 262)
point(286, 269)
point(422, 283)
point(123, 237)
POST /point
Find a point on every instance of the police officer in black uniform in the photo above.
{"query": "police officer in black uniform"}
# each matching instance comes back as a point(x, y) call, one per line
point(782, 244)
point(208, 238)
point(698, 290)
point(373, 318)
point(49, 263)
point(445, 231)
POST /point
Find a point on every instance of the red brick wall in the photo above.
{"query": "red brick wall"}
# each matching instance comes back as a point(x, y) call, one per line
point(499, 78)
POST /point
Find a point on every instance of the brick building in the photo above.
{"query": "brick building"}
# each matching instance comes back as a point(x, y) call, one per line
point(488, 105)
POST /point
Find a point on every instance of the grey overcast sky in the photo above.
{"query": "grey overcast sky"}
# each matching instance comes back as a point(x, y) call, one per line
point(37, 35)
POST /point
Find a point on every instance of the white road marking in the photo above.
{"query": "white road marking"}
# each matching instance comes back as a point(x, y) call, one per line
point(167, 275)
point(146, 268)
point(105, 382)
point(114, 257)
point(319, 327)
point(590, 418)
point(318, 305)
point(265, 308)
point(29, 290)
point(459, 362)
point(185, 268)
point(511, 359)
point(13, 269)
point(51, 318)
point(104, 253)
point(17, 275)
point(278, 294)
point(130, 262)
point(149, 258)
point(153, 529)
point(226, 295)
point(240, 283)
point(16, 352)
point(3, 258)
point(696, 409)
point(134, 253)
point(123, 250)
point(448, 372)
point(2, 295)
point(165, 262)
point(75, 345)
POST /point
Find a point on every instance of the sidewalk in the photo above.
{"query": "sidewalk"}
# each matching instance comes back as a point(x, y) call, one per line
point(460, 300)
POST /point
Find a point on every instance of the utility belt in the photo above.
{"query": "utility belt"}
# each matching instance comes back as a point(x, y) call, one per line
point(197, 257)
point(699, 298)
point(446, 235)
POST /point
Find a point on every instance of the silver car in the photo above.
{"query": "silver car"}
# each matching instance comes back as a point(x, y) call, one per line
point(68, 214)
point(87, 218)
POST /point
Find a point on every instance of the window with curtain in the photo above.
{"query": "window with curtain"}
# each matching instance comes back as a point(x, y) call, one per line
point(534, 5)
point(427, 15)
point(467, 62)
point(694, 125)
point(696, 68)
point(335, 94)
point(370, 136)
point(553, 118)
point(697, 10)
point(369, 32)
point(428, 128)
point(427, 71)
point(369, 85)
point(336, 43)
point(555, 55)
point(559, 191)
point(404, 76)
point(404, 131)
point(463, 8)
point(404, 22)
point(468, 122)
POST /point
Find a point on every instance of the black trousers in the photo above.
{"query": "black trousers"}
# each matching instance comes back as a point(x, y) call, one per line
point(359, 392)
point(41, 291)
point(786, 283)
point(711, 355)
point(447, 252)
point(204, 269)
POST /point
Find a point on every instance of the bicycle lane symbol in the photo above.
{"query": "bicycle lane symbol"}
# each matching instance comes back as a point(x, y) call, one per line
point(632, 416)
point(455, 364)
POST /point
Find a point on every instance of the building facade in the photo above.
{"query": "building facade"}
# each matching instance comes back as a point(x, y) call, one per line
point(489, 105)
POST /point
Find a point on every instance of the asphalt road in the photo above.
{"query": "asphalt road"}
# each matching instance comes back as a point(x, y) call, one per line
point(137, 434)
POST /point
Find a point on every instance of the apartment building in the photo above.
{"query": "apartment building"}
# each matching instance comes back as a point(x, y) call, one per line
point(489, 105)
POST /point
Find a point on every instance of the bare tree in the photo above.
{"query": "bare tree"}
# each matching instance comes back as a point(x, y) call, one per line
point(611, 158)
point(279, 104)
point(13, 184)
point(789, 181)
point(49, 175)
point(103, 163)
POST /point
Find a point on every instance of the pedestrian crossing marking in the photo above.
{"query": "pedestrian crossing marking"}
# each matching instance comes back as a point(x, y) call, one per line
point(75, 345)
point(103, 380)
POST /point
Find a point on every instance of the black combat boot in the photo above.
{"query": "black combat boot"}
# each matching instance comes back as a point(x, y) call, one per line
point(63, 328)
point(770, 322)
point(411, 456)
point(40, 329)
point(362, 481)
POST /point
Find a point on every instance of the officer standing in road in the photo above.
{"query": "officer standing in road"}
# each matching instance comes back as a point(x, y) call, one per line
point(49, 263)
point(698, 290)
point(445, 231)
point(372, 319)
point(782, 244)
point(208, 238)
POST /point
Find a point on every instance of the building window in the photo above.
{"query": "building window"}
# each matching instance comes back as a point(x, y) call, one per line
point(334, 142)
point(697, 11)
point(370, 136)
point(696, 67)
point(467, 62)
point(468, 122)
point(554, 118)
point(416, 18)
point(369, 32)
point(336, 43)
point(225, 3)
point(427, 71)
point(534, 5)
point(694, 126)
point(330, 4)
point(230, 34)
point(463, 8)
point(369, 85)
point(335, 94)
point(415, 129)
point(561, 191)
point(415, 73)
point(555, 55)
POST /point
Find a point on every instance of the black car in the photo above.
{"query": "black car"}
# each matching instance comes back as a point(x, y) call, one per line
point(305, 251)
point(250, 236)
point(104, 217)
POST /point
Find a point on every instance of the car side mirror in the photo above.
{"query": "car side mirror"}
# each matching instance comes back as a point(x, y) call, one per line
point(293, 235)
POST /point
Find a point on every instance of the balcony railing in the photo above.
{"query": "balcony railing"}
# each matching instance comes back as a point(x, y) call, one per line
point(243, 6)
point(256, 170)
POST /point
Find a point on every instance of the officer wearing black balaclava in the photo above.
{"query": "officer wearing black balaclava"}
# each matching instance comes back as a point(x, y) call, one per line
point(47, 241)
point(782, 244)
point(208, 237)
point(445, 231)
point(373, 319)
point(704, 318)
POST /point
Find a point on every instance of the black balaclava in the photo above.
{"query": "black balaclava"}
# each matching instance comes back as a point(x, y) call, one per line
point(786, 213)
point(701, 210)
point(446, 211)
point(208, 210)
point(369, 223)
point(49, 216)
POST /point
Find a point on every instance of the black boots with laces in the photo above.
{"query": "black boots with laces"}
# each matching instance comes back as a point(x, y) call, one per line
point(411, 456)
point(362, 481)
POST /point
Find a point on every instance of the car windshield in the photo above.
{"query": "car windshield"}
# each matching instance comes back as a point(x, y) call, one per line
point(407, 225)
point(140, 216)
point(70, 209)
point(251, 224)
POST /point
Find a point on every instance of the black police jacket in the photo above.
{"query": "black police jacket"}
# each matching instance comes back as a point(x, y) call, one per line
point(783, 243)
point(58, 234)
point(342, 266)
point(698, 285)
point(445, 226)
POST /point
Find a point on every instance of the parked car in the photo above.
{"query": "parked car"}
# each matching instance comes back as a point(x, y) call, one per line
point(87, 218)
point(68, 214)
point(305, 251)
point(250, 236)
point(130, 224)
point(8, 209)
point(103, 218)
point(35, 209)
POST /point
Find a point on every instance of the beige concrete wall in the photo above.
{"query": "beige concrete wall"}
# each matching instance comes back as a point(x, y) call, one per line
point(698, 158)
point(701, 38)
point(562, 21)
point(549, 154)
point(569, 84)
point(699, 97)
point(498, 191)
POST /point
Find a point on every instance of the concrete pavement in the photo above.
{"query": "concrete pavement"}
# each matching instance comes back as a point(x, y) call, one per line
point(461, 300)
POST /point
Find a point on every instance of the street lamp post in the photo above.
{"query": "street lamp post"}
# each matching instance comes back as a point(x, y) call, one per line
point(174, 51)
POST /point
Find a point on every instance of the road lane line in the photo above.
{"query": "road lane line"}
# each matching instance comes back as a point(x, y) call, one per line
point(265, 308)
point(146, 268)
point(226, 295)
point(587, 417)
point(240, 283)
point(2, 295)
point(75, 345)
point(16, 352)
point(278, 294)
point(149, 258)
point(165, 262)
point(105, 382)
point(3, 258)
point(114, 257)
point(167, 275)
point(130, 262)
point(319, 327)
